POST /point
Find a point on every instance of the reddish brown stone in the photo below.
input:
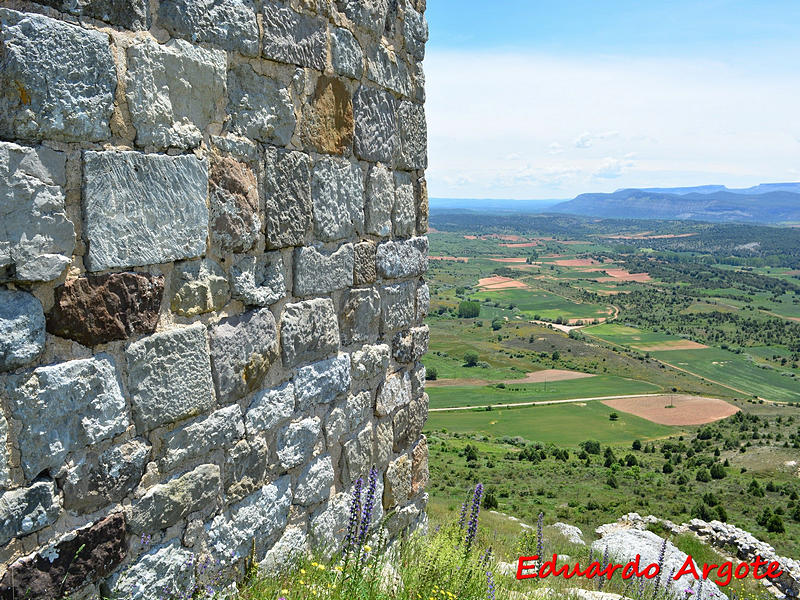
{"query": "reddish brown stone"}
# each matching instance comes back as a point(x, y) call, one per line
point(233, 192)
point(329, 123)
point(100, 308)
point(93, 553)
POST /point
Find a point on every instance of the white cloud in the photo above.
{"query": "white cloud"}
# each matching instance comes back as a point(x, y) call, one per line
point(584, 141)
point(555, 148)
point(611, 168)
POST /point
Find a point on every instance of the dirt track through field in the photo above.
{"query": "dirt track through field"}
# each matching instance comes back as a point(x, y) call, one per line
point(676, 345)
point(543, 402)
point(548, 375)
point(685, 410)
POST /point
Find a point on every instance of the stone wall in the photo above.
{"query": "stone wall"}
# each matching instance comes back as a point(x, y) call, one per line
point(212, 221)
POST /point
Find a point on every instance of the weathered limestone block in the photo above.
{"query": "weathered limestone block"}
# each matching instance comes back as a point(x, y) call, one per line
point(360, 316)
point(357, 454)
point(328, 525)
point(167, 570)
point(287, 193)
point(315, 481)
point(317, 273)
point(346, 54)
point(260, 516)
point(169, 377)
point(337, 189)
point(409, 518)
point(258, 280)
point(260, 108)
point(21, 329)
point(379, 201)
point(234, 224)
point(5, 475)
point(398, 305)
point(409, 346)
point(409, 421)
point(165, 504)
point(422, 207)
point(397, 482)
point(394, 392)
point(418, 414)
point(229, 24)
point(198, 286)
point(57, 81)
point(415, 33)
point(100, 308)
point(292, 546)
point(25, 510)
point(419, 466)
point(78, 559)
point(423, 301)
point(387, 70)
point(400, 427)
point(348, 416)
point(296, 442)
point(377, 138)
point(404, 218)
point(99, 479)
point(219, 430)
point(130, 14)
point(384, 442)
point(328, 124)
point(36, 237)
point(370, 362)
point(143, 209)
point(403, 258)
point(322, 382)
point(364, 263)
point(413, 136)
point(172, 91)
point(65, 407)
point(418, 380)
point(294, 38)
point(309, 331)
point(245, 468)
point(243, 348)
point(369, 14)
point(269, 408)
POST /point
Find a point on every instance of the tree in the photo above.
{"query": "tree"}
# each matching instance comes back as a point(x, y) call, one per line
point(703, 476)
point(470, 453)
point(556, 355)
point(718, 471)
point(637, 445)
point(591, 447)
point(613, 417)
point(431, 373)
point(667, 468)
point(775, 524)
point(471, 359)
point(468, 309)
point(497, 324)
point(489, 500)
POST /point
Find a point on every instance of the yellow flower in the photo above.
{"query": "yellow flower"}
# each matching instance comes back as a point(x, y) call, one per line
point(314, 564)
point(303, 571)
point(321, 567)
point(367, 548)
point(284, 592)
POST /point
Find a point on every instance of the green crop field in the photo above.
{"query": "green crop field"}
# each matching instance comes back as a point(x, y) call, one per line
point(564, 424)
point(533, 302)
point(629, 336)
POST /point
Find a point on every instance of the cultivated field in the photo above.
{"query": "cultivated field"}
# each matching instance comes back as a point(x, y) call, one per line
point(675, 409)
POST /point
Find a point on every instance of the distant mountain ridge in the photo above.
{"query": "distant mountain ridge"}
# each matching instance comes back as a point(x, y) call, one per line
point(764, 203)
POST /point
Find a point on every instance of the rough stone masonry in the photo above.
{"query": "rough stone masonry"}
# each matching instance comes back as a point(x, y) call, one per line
point(212, 244)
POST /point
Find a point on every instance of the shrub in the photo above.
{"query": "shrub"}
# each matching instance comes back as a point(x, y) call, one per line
point(637, 445)
point(613, 417)
point(591, 447)
point(471, 359)
point(431, 373)
point(775, 524)
point(703, 476)
point(718, 471)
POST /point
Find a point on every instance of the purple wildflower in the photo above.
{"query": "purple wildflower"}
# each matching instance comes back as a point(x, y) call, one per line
point(540, 538)
point(462, 517)
point(369, 502)
point(489, 585)
point(602, 580)
point(661, 556)
point(355, 511)
point(472, 528)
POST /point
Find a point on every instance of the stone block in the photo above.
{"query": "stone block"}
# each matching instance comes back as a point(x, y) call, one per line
point(21, 329)
point(360, 316)
point(259, 107)
point(398, 305)
point(408, 423)
point(5, 475)
point(357, 455)
point(258, 280)
point(243, 348)
point(294, 38)
point(292, 547)
point(403, 258)
point(364, 263)
point(368, 14)
point(65, 407)
point(404, 218)
point(419, 466)
point(413, 132)
point(234, 223)
point(337, 190)
point(370, 362)
point(130, 14)
point(58, 80)
point(165, 571)
point(101, 478)
point(348, 416)
point(317, 273)
point(422, 207)
point(287, 197)
point(423, 301)
point(198, 286)
point(309, 331)
point(296, 442)
point(80, 558)
point(418, 415)
point(328, 524)
point(260, 517)
point(417, 380)
point(229, 24)
point(143, 209)
point(395, 392)
point(384, 442)
point(165, 504)
point(169, 377)
point(36, 237)
point(269, 408)
point(346, 54)
point(101, 308)
point(376, 135)
point(409, 346)
point(397, 482)
point(415, 33)
point(315, 481)
point(172, 91)
point(322, 382)
point(386, 69)
point(218, 430)
point(25, 510)
point(328, 117)
point(245, 468)
point(380, 201)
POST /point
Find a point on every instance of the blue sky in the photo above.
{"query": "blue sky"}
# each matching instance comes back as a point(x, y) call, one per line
point(550, 99)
